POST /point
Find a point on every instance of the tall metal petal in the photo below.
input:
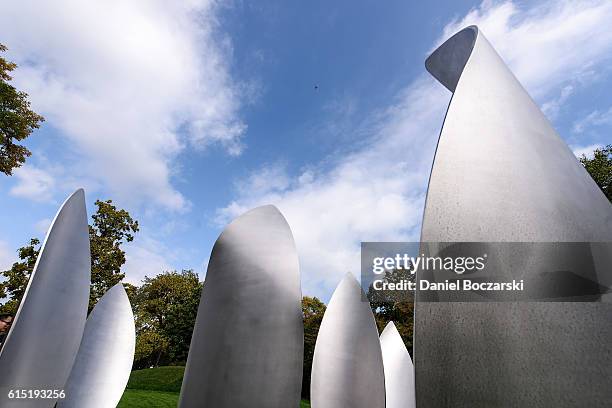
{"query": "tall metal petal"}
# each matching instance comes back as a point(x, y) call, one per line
point(347, 367)
point(247, 344)
point(102, 366)
point(399, 371)
point(501, 173)
point(42, 343)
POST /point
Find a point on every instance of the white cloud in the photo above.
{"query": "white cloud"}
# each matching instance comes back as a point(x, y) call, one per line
point(377, 191)
point(579, 151)
point(42, 226)
point(7, 256)
point(549, 45)
point(593, 119)
point(374, 194)
point(124, 81)
point(33, 183)
point(552, 107)
point(145, 256)
point(267, 180)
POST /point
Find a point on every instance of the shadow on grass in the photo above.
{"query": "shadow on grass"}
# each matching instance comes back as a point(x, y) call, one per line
point(157, 388)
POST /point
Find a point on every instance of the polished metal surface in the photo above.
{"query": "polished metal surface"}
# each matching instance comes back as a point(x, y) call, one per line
point(399, 371)
point(502, 174)
point(347, 367)
point(247, 344)
point(103, 364)
point(43, 342)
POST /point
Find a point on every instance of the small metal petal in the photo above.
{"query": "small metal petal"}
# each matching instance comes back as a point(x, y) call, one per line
point(102, 367)
point(399, 371)
point(347, 368)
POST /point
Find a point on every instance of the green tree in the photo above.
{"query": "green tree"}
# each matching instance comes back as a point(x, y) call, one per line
point(312, 313)
point(150, 347)
point(600, 168)
point(165, 308)
point(17, 120)
point(395, 306)
point(16, 278)
point(131, 291)
point(110, 229)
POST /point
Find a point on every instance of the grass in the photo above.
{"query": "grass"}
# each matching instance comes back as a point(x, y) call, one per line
point(148, 399)
point(166, 379)
point(158, 388)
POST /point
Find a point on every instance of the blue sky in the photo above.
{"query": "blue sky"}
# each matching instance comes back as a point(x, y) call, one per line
point(190, 113)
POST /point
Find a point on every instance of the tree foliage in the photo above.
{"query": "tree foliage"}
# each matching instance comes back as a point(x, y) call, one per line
point(600, 168)
point(17, 120)
point(165, 308)
point(395, 306)
point(312, 313)
point(16, 278)
point(150, 347)
point(110, 229)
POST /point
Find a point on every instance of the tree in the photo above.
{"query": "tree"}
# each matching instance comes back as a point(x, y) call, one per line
point(131, 291)
point(110, 229)
point(150, 346)
point(16, 278)
point(312, 313)
point(600, 168)
point(17, 120)
point(165, 308)
point(395, 306)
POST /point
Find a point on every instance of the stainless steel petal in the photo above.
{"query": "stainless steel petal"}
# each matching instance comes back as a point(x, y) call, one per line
point(42, 343)
point(247, 345)
point(501, 173)
point(102, 366)
point(399, 371)
point(347, 368)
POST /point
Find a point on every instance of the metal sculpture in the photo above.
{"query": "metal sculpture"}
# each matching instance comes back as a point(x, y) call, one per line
point(247, 344)
point(102, 367)
point(399, 371)
point(43, 342)
point(502, 174)
point(347, 367)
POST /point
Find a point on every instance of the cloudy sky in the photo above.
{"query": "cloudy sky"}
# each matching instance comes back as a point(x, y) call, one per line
point(188, 113)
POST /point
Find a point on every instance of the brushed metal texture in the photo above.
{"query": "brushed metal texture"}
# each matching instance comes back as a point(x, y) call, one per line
point(399, 370)
point(347, 367)
point(43, 342)
point(502, 174)
point(247, 344)
point(103, 364)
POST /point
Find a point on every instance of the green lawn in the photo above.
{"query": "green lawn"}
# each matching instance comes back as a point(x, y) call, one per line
point(166, 379)
point(157, 388)
point(148, 399)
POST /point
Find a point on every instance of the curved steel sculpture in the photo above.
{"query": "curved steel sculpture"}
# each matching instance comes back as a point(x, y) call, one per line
point(43, 342)
point(347, 367)
point(399, 371)
point(102, 366)
point(247, 344)
point(502, 174)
